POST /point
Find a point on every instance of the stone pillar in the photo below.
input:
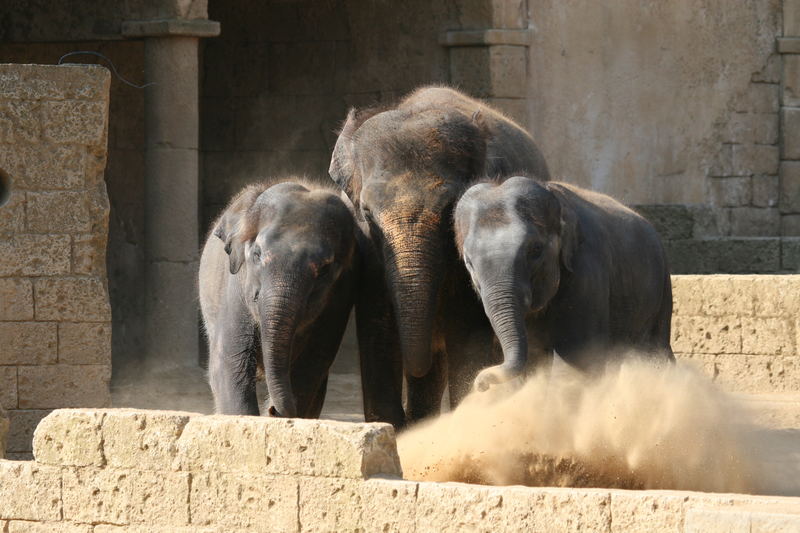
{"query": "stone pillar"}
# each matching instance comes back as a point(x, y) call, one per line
point(789, 47)
point(489, 56)
point(171, 188)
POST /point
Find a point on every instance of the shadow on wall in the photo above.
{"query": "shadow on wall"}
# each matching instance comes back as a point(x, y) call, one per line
point(5, 188)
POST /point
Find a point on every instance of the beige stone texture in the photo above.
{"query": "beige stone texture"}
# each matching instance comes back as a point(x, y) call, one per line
point(29, 491)
point(102, 528)
point(241, 500)
point(23, 424)
point(288, 446)
point(791, 80)
point(4, 423)
point(35, 255)
point(21, 121)
point(125, 497)
point(59, 212)
point(698, 334)
point(331, 504)
point(49, 386)
point(776, 296)
point(790, 129)
point(71, 299)
point(69, 437)
point(8, 387)
point(389, 504)
point(17, 526)
point(716, 521)
point(144, 440)
point(33, 82)
point(84, 343)
point(773, 336)
point(58, 167)
point(607, 119)
point(634, 512)
point(12, 215)
point(17, 297)
point(75, 121)
point(28, 343)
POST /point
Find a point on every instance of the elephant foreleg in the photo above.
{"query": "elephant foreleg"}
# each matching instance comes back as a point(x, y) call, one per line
point(232, 375)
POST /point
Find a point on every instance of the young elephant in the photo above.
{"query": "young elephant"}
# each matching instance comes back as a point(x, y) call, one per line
point(561, 268)
point(277, 282)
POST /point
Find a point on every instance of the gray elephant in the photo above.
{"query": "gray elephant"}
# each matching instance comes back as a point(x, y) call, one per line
point(404, 167)
point(277, 283)
point(562, 268)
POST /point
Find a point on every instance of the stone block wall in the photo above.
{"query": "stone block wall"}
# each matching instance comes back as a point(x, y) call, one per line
point(119, 471)
point(55, 319)
point(744, 331)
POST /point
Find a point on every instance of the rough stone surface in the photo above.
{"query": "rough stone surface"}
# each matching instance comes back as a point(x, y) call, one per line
point(258, 500)
point(143, 440)
point(8, 387)
point(28, 343)
point(46, 387)
point(29, 491)
point(23, 424)
point(3, 431)
point(17, 297)
point(67, 437)
point(71, 299)
point(84, 343)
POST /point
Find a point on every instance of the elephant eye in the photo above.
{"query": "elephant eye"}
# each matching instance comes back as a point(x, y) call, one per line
point(324, 270)
point(536, 249)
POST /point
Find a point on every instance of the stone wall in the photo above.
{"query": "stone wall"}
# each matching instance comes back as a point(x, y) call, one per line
point(118, 471)
point(744, 331)
point(55, 320)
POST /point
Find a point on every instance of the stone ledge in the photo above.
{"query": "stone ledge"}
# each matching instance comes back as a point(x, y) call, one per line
point(789, 45)
point(170, 28)
point(486, 38)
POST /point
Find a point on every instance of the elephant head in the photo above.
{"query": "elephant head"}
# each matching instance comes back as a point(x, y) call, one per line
point(287, 249)
point(516, 238)
point(404, 170)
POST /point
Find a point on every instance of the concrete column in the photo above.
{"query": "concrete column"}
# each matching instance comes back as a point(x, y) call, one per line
point(171, 189)
point(491, 63)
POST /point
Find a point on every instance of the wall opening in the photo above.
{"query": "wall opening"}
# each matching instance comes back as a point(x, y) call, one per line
point(5, 188)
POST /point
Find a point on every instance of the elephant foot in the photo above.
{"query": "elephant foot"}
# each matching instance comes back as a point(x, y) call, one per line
point(494, 375)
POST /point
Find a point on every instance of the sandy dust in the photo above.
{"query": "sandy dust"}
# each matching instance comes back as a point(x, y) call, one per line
point(639, 426)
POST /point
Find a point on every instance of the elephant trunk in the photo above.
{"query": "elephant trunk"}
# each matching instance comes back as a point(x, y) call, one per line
point(506, 312)
point(280, 308)
point(415, 277)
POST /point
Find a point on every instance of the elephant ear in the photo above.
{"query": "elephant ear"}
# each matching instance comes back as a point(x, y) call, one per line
point(226, 231)
point(570, 231)
point(342, 166)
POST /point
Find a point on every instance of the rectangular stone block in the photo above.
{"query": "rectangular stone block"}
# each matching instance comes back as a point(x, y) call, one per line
point(755, 222)
point(144, 440)
point(790, 123)
point(724, 295)
point(790, 187)
point(790, 227)
point(47, 527)
point(775, 296)
point(701, 520)
point(790, 252)
point(749, 255)
point(57, 167)
point(28, 343)
point(71, 299)
point(761, 522)
point(34, 82)
point(12, 215)
point(759, 98)
point(8, 387)
point(730, 191)
point(45, 387)
point(89, 254)
point(35, 255)
point(750, 159)
point(395, 498)
point(69, 437)
point(701, 334)
point(75, 121)
point(29, 491)
point(20, 433)
point(288, 446)
point(21, 121)
point(756, 373)
point(329, 504)
point(58, 212)
point(766, 191)
point(638, 512)
point(17, 297)
point(123, 497)
point(753, 128)
point(242, 500)
point(84, 343)
point(768, 336)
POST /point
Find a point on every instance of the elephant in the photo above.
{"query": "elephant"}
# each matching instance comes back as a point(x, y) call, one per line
point(404, 167)
point(562, 268)
point(277, 282)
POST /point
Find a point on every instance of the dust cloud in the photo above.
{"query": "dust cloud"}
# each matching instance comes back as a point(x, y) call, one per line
point(639, 426)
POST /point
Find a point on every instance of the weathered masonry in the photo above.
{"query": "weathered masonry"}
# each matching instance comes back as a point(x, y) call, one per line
point(119, 471)
point(55, 318)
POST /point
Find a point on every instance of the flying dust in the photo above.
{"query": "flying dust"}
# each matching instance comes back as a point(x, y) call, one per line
point(639, 426)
